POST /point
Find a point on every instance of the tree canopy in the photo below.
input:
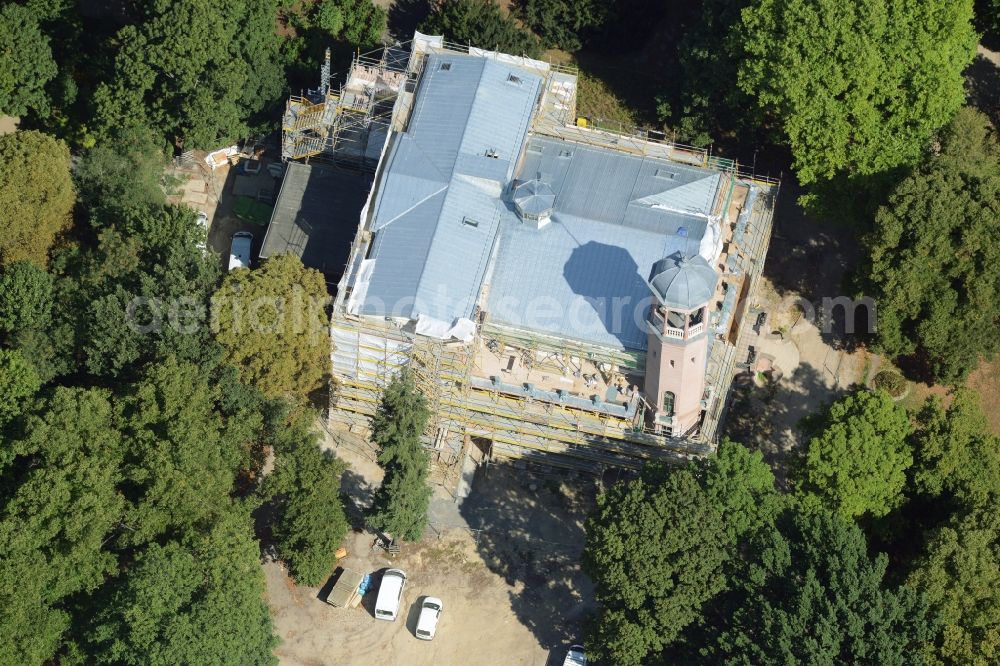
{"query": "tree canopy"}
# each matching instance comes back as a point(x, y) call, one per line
point(196, 71)
point(273, 326)
point(309, 523)
point(480, 23)
point(400, 503)
point(563, 23)
point(934, 271)
point(857, 462)
point(856, 87)
point(36, 195)
point(26, 62)
point(811, 594)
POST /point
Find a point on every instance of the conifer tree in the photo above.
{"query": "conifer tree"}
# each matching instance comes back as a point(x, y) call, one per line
point(400, 504)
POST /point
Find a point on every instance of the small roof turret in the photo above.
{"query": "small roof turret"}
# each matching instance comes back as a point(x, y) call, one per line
point(534, 199)
point(684, 283)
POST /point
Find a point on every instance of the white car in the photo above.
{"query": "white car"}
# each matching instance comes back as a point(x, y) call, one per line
point(430, 613)
point(576, 656)
point(390, 590)
point(239, 251)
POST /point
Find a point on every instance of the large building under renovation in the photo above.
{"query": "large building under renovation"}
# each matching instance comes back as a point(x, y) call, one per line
point(562, 292)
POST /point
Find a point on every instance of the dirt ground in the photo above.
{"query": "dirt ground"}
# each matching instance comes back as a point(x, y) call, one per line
point(505, 563)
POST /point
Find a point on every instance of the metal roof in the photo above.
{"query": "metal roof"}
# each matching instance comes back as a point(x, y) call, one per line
point(584, 277)
point(683, 282)
point(314, 216)
point(438, 206)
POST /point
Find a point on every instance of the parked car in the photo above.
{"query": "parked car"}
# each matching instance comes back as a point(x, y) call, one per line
point(575, 657)
point(390, 591)
point(430, 613)
point(239, 250)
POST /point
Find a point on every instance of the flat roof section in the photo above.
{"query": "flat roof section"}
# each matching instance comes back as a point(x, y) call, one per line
point(316, 216)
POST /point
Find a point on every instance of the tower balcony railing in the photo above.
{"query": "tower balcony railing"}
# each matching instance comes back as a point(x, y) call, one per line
point(674, 333)
point(696, 329)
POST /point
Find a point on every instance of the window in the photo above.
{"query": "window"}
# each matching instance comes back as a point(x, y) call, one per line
point(469, 222)
point(445, 66)
point(516, 80)
point(664, 173)
point(668, 403)
point(492, 152)
point(565, 153)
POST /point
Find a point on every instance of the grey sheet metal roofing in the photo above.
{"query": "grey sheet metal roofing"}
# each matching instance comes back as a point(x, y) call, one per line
point(446, 200)
point(682, 282)
point(439, 206)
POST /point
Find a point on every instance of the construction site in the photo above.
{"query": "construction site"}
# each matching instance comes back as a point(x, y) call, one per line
point(561, 293)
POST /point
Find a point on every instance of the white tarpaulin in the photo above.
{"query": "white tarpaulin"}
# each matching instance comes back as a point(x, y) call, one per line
point(360, 290)
point(711, 243)
point(461, 329)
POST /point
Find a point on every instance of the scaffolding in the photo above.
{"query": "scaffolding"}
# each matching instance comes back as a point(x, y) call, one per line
point(349, 125)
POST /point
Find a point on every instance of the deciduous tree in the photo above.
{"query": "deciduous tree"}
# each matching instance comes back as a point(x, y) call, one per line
point(741, 485)
point(309, 523)
point(480, 23)
point(36, 195)
point(564, 23)
point(18, 383)
point(400, 503)
point(26, 63)
point(856, 87)
point(934, 271)
point(273, 326)
point(857, 462)
point(655, 550)
point(25, 297)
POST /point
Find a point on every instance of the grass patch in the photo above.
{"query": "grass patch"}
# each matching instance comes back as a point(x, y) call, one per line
point(985, 381)
point(594, 100)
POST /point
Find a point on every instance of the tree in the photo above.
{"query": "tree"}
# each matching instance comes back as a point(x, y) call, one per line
point(563, 23)
point(741, 486)
point(62, 504)
point(956, 455)
point(933, 271)
point(309, 522)
point(400, 503)
point(355, 21)
point(856, 87)
point(655, 550)
point(960, 576)
point(36, 195)
point(857, 463)
point(25, 297)
point(18, 383)
point(26, 63)
point(273, 326)
point(810, 594)
point(480, 23)
point(196, 600)
point(195, 71)
point(123, 171)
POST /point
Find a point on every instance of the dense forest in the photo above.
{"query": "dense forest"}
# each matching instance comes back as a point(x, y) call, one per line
point(137, 416)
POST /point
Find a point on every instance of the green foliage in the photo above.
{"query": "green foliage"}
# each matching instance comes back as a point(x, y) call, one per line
point(857, 463)
point(123, 172)
point(564, 23)
point(195, 71)
point(196, 600)
point(891, 382)
point(359, 22)
point(400, 503)
point(62, 505)
point(741, 486)
point(25, 297)
point(179, 467)
point(36, 195)
point(273, 326)
point(811, 594)
point(655, 550)
point(480, 23)
point(935, 268)
point(18, 383)
point(857, 87)
point(956, 455)
point(309, 523)
point(959, 574)
point(26, 63)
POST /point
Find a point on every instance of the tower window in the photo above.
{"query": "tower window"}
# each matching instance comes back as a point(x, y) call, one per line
point(668, 402)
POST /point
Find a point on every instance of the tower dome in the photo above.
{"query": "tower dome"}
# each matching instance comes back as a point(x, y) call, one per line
point(684, 283)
